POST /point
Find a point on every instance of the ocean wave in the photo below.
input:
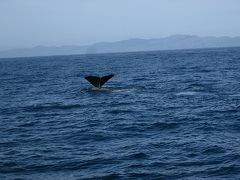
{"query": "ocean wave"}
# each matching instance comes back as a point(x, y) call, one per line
point(166, 115)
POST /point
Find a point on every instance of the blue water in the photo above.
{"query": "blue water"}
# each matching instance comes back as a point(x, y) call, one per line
point(164, 115)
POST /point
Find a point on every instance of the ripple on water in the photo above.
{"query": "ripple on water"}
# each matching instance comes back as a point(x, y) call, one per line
point(165, 115)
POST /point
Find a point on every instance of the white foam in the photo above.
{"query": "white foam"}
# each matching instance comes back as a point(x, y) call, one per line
point(235, 95)
point(186, 93)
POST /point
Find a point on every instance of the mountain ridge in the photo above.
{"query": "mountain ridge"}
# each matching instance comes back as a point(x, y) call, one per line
point(130, 45)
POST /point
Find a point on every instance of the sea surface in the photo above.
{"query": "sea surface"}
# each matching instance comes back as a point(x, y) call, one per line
point(164, 115)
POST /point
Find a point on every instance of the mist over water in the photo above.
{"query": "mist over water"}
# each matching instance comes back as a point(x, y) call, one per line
point(165, 114)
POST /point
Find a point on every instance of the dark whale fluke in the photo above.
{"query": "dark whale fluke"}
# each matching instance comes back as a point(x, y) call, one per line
point(98, 82)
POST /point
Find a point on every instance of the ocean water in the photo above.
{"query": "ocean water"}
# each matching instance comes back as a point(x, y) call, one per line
point(164, 115)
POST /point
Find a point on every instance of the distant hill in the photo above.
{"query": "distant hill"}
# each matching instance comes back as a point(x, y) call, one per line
point(131, 45)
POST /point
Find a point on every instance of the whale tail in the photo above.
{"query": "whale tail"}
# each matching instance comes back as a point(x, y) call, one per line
point(98, 82)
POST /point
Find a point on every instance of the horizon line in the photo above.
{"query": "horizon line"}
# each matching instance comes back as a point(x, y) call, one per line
point(124, 52)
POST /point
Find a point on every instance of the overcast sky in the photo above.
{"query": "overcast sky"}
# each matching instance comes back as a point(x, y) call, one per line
point(28, 23)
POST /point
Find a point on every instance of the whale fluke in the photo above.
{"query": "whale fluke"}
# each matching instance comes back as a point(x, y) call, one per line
point(98, 82)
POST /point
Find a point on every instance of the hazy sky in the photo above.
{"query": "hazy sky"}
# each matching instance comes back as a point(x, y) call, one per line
point(28, 23)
